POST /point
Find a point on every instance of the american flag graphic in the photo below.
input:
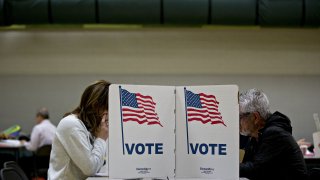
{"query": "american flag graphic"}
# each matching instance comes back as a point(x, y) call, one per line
point(203, 107)
point(139, 108)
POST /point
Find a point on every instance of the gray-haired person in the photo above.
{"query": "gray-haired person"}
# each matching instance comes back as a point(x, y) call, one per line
point(42, 133)
point(272, 152)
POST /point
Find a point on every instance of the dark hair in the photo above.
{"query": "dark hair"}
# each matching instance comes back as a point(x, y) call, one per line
point(94, 101)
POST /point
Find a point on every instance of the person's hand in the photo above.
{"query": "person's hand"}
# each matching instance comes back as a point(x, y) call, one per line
point(22, 142)
point(103, 131)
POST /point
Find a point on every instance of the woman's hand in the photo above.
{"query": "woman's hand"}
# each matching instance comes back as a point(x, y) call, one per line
point(103, 131)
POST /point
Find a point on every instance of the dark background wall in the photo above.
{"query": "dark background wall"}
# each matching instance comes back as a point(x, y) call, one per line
point(302, 13)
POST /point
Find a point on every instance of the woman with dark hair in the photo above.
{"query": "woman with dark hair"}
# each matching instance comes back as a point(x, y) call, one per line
point(79, 146)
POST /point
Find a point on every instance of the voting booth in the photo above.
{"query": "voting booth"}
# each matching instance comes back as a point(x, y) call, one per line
point(316, 142)
point(173, 132)
point(207, 132)
point(141, 131)
point(316, 136)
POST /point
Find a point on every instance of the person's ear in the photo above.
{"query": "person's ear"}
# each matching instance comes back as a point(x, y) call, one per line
point(256, 117)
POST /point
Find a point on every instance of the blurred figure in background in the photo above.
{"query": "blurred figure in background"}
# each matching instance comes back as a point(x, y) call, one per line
point(42, 133)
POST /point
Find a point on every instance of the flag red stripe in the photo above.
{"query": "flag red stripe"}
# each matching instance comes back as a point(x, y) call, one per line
point(146, 101)
point(209, 100)
point(148, 109)
point(199, 119)
point(154, 122)
point(145, 97)
point(204, 115)
point(132, 110)
point(147, 113)
point(206, 121)
point(141, 109)
point(139, 119)
point(211, 119)
point(142, 122)
point(218, 122)
point(141, 116)
point(211, 110)
point(209, 105)
point(208, 96)
point(146, 105)
point(215, 113)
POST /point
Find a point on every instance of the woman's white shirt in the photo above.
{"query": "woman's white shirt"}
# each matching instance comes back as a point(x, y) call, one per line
point(75, 153)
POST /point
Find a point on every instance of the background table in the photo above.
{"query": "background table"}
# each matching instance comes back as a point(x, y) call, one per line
point(12, 147)
point(312, 162)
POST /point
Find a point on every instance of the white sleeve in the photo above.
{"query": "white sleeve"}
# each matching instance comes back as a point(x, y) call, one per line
point(34, 142)
point(77, 145)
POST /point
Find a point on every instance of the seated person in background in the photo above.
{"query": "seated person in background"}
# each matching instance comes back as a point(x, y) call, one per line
point(79, 146)
point(42, 133)
point(272, 152)
point(5, 156)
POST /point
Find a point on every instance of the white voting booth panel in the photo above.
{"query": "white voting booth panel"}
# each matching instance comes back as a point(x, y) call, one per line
point(141, 131)
point(171, 132)
point(316, 136)
point(207, 132)
point(316, 142)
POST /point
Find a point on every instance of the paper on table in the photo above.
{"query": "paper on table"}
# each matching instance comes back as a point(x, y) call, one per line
point(11, 142)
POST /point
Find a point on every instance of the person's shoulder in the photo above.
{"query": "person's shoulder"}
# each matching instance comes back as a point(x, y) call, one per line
point(43, 125)
point(69, 126)
point(69, 122)
point(273, 129)
point(276, 132)
point(37, 127)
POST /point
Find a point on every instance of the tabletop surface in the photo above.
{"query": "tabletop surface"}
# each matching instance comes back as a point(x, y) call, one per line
point(10, 143)
point(107, 178)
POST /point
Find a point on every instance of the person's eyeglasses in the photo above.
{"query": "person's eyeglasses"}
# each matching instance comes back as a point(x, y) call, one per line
point(243, 115)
